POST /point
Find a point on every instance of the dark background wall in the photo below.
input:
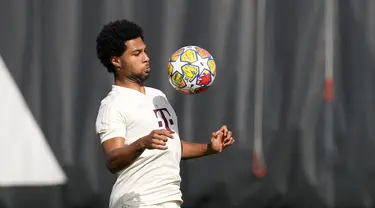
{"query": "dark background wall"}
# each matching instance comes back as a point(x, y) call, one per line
point(318, 154)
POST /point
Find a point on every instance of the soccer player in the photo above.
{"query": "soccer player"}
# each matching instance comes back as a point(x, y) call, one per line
point(138, 127)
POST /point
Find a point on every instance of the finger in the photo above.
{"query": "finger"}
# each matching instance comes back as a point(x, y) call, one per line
point(229, 142)
point(164, 132)
point(221, 149)
point(226, 143)
point(160, 138)
point(160, 147)
point(159, 141)
point(228, 137)
point(224, 129)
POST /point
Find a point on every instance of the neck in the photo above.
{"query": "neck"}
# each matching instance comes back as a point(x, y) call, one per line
point(130, 84)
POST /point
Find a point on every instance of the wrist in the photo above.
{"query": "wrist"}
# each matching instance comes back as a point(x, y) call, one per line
point(210, 150)
point(139, 145)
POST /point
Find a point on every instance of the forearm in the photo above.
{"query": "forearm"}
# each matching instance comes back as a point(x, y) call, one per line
point(194, 150)
point(122, 157)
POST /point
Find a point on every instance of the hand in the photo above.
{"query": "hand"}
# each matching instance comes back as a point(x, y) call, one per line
point(228, 137)
point(157, 139)
point(221, 139)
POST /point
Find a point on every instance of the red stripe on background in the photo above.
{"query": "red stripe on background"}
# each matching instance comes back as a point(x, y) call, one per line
point(259, 169)
point(328, 90)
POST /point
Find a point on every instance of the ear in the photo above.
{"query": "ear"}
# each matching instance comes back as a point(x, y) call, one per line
point(116, 61)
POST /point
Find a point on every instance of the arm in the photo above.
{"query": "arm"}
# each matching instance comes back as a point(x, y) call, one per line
point(119, 156)
point(111, 129)
point(219, 140)
point(195, 150)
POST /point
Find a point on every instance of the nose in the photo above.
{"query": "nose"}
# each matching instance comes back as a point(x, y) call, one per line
point(146, 58)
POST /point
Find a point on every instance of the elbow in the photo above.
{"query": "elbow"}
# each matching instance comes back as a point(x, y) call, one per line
point(112, 170)
point(111, 164)
point(110, 167)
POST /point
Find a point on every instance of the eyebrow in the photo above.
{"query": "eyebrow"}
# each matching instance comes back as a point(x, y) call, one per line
point(139, 49)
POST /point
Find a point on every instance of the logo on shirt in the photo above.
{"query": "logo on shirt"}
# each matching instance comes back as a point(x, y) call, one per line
point(165, 117)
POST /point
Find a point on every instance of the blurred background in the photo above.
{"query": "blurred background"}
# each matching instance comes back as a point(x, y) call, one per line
point(295, 83)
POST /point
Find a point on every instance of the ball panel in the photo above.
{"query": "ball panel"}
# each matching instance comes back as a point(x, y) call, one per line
point(170, 69)
point(211, 63)
point(204, 78)
point(177, 80)
point(184, 91)
point(190, 72)
point(189, 56)
point(201, 89)
point(202, 53)
point(177, 54)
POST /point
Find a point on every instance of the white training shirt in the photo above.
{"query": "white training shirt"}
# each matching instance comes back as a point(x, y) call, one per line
point(154, 177)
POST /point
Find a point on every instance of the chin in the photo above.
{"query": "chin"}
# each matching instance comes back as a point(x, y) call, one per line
point(142, 77)
point(145, 77)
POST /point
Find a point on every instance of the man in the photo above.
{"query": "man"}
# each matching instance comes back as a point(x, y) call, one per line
point(138, 127)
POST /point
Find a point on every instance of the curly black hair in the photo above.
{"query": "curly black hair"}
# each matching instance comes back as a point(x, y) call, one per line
point(111, 40)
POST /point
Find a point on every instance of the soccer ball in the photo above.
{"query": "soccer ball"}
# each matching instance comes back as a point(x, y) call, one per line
point(191, 70)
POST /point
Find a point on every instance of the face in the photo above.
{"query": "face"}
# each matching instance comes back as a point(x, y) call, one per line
point(133, 64)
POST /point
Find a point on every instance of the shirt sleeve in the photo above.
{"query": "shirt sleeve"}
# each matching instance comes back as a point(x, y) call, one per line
point(110, 123)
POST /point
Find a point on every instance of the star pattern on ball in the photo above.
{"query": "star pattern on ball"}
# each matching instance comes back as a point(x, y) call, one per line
point(177, 65)
point(202, 63)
